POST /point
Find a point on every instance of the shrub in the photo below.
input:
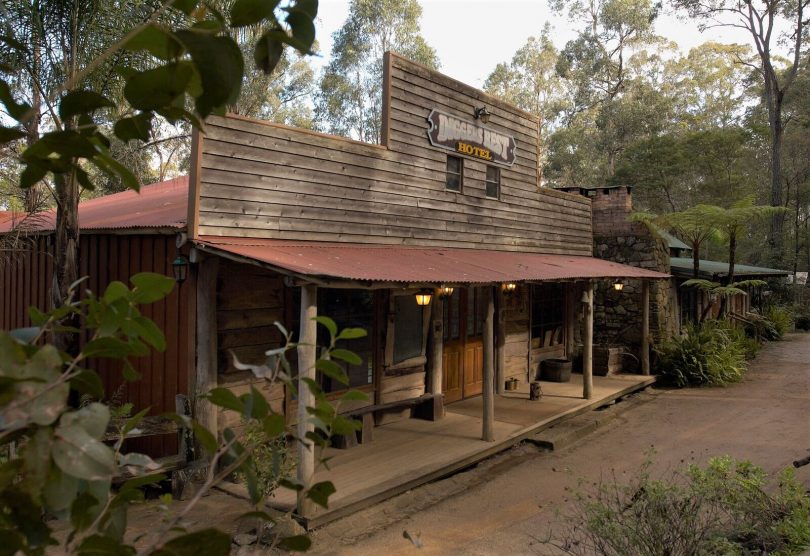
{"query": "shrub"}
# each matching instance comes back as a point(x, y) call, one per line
point(781, 318)
point(801, 317)
point(709, 354)
point(728, 507)
point(273, 458)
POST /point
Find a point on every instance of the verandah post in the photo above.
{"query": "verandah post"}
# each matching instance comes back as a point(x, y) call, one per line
point(489, 368)
point(645, 327)
point(587, 355)
point(307, 355)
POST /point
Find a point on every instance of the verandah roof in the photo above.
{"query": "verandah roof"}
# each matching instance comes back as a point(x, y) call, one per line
point(386, 263)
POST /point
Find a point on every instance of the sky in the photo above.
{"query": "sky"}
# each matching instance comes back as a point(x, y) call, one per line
point(472, 36)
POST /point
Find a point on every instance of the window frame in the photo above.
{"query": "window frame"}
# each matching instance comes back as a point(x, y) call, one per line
point(448, 173)
point(497, 183)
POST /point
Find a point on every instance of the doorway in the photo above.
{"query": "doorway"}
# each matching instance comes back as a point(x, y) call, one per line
point(463, 344)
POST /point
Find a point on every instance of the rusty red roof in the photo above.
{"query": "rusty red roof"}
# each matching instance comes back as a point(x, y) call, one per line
point(382, 263)
point(160, 205)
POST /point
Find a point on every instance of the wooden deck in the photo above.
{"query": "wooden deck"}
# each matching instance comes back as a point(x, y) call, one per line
point(412, 452)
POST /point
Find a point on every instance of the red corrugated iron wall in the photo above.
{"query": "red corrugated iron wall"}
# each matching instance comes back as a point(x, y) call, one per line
point(26, 277)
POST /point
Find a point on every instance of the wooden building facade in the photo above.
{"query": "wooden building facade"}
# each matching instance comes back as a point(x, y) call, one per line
point(282, 224)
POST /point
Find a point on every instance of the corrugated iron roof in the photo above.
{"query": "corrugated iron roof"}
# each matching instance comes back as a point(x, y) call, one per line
point(381, 263)
point(682, 267)
point(160, 205)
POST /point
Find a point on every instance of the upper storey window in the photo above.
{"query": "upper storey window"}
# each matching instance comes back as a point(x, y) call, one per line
point(493, 182)
point(455, 171)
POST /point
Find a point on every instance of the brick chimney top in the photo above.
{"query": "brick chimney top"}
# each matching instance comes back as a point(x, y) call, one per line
point(610, 206)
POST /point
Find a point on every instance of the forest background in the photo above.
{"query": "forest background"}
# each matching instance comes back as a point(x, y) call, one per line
point(619, 102)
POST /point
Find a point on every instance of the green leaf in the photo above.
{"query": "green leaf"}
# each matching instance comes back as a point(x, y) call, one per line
point(60, 490)
point(297, 543)
point(268, 51)
point(88, 382)
point(115, 290)
point(274, 425)
point(10, 134)
point(25, 335)
point(139, 482)
point(303, 29)
point(134, 128)
point(80, 455)
point(16, 110)
point(82, 102)
point(354, 396)
point(31, 175)
point(113, 168)
point(129, 373)
point(208, 541)
point(93, 418)
point(219, 63)
point(248, 12)
point(150, 333)
point(309, 7)
point(133, 422)
point(114, 348)
point(225, 398)
point(185, 6)
point(159, 42)
point(205, 437)
point(159, 87)
point(320, 493)
point(332, 370)
point(102, 545)
point(255, 404)
point(351, 334)
point(345, 355)
point(151, 287)
point(83, 511)
point(329, 324)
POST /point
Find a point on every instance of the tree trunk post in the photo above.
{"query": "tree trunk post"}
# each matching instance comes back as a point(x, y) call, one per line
point(436, 348)
point(645, 327)
point(500, 337)
point(205, 377)
point(587, 355)
point(488, 433)
point(307, 356)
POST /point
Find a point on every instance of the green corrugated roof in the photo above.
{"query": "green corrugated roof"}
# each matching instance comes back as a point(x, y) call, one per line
point(672, 241)
point(682, 267)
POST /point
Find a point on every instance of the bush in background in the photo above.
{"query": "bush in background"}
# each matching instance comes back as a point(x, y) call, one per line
point(727, 507)
point(709, 354)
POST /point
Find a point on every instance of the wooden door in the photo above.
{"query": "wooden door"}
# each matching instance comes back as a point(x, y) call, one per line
point(463, 349)
point(453, 349)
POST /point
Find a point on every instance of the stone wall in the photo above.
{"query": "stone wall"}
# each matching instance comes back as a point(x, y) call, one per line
point(617, 314)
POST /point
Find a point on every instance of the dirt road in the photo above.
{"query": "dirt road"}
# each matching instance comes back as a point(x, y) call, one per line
point(509, 503)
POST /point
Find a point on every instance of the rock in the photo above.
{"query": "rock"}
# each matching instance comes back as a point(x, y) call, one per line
point(244, 539)
point(284, 527)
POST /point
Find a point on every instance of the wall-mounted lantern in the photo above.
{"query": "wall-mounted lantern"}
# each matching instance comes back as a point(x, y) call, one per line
point(618, 285)
point(443, 292)
point(482, 114)
point(508, 288)
point(180, 268)
point(423, 297)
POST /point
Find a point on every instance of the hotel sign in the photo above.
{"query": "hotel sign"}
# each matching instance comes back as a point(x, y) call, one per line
point(469, 138)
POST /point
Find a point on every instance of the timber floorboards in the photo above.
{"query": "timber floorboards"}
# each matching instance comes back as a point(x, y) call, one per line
point(412, 452)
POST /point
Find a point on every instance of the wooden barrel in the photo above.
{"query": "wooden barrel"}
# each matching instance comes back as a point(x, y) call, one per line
point(555, 370)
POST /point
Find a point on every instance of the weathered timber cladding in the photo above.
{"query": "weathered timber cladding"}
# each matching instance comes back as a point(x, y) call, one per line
point(25, 276)
point(249, 301)
point(516, 340)
point(265, 180)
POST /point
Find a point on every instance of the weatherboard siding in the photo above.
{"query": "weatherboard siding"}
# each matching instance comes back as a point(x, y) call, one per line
point(258, 179)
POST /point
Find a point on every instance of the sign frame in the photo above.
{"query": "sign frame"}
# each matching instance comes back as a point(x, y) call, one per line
point(468, 138)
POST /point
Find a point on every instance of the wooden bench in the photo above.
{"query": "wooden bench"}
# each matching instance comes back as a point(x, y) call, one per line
point(426, 406)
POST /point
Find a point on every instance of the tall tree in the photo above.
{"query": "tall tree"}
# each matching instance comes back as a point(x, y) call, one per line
point(769, 23)
point(530, 81)
point(350, 101)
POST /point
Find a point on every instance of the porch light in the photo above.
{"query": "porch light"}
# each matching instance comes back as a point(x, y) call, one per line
point(423, 297)
point(508, 288)
point(180, 268)
point(443, 292)
point(618, 285)
point(482, 114)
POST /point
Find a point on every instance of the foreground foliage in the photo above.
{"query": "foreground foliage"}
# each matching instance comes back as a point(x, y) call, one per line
point(727, 507)
point(61, 461)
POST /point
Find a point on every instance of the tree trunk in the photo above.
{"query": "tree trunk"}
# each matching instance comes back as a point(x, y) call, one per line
point(66, 263)
point(695, 275)
point(732, 255)
point(774, 99)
